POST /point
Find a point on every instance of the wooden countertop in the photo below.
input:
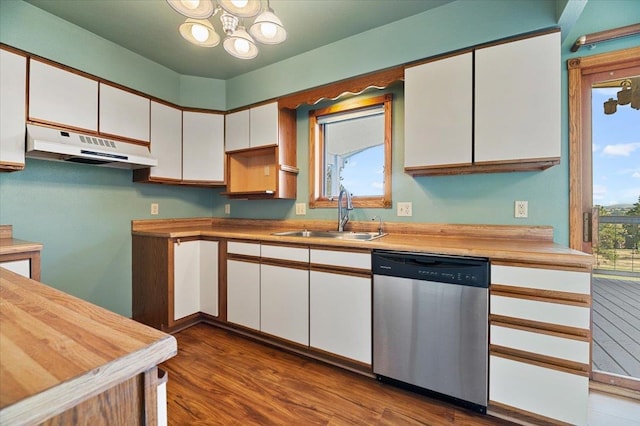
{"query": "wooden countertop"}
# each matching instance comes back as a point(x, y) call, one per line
point(57, 350)
point(497, 242)
point(12, 245)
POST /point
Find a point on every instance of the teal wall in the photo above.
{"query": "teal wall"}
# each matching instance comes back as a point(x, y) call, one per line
point(82, 213)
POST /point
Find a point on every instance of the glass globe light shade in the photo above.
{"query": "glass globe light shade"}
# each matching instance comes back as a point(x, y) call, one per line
point(241, 8)
point(194, 9)
point(268, 28)
point(199, 32)
point(240, 44)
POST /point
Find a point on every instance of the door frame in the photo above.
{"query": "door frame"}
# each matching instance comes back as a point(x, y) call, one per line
point(582, 72)
point(579, 83)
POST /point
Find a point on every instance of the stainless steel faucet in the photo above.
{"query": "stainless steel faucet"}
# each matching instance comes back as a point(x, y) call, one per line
point(379, 219)
point(343, 213)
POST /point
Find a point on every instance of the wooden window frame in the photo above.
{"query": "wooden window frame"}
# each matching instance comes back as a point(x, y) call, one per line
point(316, 159)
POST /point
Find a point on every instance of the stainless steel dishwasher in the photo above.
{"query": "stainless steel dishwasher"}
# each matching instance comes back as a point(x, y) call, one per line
point(430, 324)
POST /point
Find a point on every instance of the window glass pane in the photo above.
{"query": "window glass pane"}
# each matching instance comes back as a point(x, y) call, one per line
point(354, 155)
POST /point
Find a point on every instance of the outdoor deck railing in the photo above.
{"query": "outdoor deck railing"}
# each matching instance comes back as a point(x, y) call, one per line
point(615, 246)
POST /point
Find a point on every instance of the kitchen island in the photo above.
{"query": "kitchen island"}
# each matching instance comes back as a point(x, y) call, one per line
point(66, 361)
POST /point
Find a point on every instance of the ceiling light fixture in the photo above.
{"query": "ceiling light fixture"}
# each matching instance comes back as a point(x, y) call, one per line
point(267, 27)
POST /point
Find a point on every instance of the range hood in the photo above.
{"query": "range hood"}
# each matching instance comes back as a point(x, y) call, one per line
point(47, 143)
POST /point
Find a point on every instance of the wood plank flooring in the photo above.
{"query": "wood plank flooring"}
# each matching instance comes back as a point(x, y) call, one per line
point(616, 325)
point(220, 378)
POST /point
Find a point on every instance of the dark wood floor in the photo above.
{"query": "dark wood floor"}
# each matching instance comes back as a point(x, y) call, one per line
point(221, 378)
point(616, 325)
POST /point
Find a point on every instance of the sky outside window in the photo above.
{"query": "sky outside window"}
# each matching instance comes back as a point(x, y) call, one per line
point(616, 151)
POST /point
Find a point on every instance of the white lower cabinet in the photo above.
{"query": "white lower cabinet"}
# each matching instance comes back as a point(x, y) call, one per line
point(284, 303)
point(195, 279)
point(209, 301)
point(22, 267)
point(539, 346)
point(284, 292)
point(340, 303)
point(340, 315)
point(243, 293)
point(548, 392)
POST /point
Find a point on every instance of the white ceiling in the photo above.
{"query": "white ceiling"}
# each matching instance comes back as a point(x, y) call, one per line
point(150, 29)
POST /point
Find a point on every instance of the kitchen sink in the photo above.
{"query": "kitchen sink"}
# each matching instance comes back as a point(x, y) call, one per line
point(360, 236)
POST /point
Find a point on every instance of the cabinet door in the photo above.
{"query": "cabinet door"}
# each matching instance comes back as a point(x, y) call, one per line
point(263, 125)
point(439, 112)
point(284, 303)
point(61, 97)
point(186, 279)
point(243, 293)
point(237, 130)
point(209, 277)
point(22, 267)
point(548, 392)
point(340, 315)
point(166, 141)
point(517, 100)
point(13, 89)
point(123, 113)
point(202, 146)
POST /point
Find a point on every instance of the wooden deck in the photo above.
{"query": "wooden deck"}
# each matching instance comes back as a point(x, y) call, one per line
point(616, 325)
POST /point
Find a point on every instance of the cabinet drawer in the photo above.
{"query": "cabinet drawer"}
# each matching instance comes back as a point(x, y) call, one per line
point(542, 344)
point(541, 279)
point(297, 254)
point(553, 313)
point(550, 393)
point(341, 258)
point(248, 249)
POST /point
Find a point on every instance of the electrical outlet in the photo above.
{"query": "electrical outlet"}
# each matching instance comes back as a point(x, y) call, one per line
point(301, 209)
point(227, 209)
point(155, 208)
point(521, 209)
point(404, 209)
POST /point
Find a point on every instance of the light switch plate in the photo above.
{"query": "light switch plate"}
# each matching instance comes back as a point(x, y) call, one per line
point(301, 209)
point(404, 209)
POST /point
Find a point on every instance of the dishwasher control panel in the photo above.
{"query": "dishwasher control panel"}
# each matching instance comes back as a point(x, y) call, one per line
point(470, 271)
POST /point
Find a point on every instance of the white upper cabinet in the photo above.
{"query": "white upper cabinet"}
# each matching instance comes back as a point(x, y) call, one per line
point(202, 147)
point(166, 141)
point(263, 125)
point(517, 100)
point(496, 109)
point(438, 112)
point(62, 97)
point(124, 113)
point(237, 130)
point(252, 128)
point(13, 84)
